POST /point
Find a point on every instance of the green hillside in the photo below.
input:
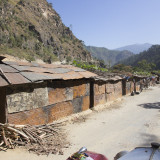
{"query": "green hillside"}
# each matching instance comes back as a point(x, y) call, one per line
point(110, 57)
point(152, 55)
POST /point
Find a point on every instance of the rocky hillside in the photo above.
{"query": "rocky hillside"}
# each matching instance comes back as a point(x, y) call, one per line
point(32, 29)
point(110, 57)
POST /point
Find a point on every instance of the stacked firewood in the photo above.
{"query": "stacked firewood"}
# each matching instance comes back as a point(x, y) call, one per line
point(44, 139)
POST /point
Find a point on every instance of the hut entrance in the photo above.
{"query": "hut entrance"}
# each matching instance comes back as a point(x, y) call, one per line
point(123, 87)
point(2, 105)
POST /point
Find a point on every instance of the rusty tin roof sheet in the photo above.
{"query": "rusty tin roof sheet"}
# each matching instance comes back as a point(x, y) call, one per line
point(20, 68)
point(7, 69)
point(33, 77)
point(3, 82)
point(16, 78)
point(114, 78)
point(24, 72)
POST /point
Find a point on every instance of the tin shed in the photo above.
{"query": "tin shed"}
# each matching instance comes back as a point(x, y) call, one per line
point(33, 93)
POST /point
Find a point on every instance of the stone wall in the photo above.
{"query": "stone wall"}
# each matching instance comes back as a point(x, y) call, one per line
point(26, 97)
point(45, 102)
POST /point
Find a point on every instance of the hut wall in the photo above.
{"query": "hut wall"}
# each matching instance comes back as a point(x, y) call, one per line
point(138, 83)
point(26, 97)
point(129, 87)
point(45, 102)
point(99, 93)
point(114, 90)
point(106, 92)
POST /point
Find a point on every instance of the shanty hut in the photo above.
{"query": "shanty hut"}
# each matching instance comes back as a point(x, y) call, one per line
point(37, 94)
point(128, 84)
point(106, 89)
point(140, 83)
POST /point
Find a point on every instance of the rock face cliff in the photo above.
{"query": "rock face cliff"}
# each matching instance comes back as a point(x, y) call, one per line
point(32, 29)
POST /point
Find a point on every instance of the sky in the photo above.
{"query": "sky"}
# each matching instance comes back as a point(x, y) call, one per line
point(111, 23)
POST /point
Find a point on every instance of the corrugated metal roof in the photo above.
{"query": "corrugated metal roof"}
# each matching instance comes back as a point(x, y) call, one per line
point(23, 63)
point(24, 72)
point(53, 76)
point(113, 78)
point(10, 63)
point(78, 69)
point(49, 66)
point(7, 69)
point(38, 70)
point(3, 82)
point(20, 68)
point(59, 70)
point(32, 76)
point(88, 74)
point(72, 75)
point(16, 78)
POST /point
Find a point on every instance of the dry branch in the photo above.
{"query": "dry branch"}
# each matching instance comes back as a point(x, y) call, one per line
point(43, 139)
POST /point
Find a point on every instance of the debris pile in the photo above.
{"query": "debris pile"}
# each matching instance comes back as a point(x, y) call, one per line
point(44, 139)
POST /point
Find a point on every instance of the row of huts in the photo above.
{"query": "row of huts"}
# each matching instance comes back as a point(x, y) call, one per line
point(32, 93)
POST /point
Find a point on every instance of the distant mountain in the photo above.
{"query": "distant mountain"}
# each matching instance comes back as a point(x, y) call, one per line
point(135, 48)
point(110, 57)
point(152, 55)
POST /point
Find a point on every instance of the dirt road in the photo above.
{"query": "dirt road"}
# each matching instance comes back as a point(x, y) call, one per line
point(132, 122)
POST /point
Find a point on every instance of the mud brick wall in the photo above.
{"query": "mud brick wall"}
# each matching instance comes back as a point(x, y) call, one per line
point(106, 92)
point(42, 115)
point(99, 93)
point(45, 102)
point(129, 87)
point(113, 90)
point(76, 91)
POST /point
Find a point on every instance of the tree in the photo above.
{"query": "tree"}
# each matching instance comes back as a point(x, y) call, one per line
point(145, 66)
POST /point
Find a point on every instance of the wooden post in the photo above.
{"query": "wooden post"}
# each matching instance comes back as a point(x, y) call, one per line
point(3, 105)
